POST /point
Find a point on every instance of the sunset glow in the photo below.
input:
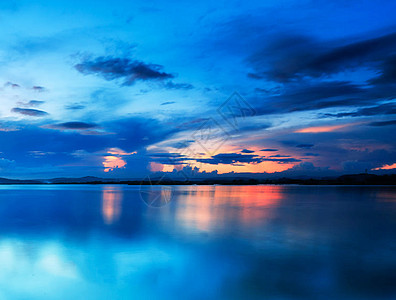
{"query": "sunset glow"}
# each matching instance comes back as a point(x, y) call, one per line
point(320, 129)
point(387, 167)
point(113, 162)
point(222, 96)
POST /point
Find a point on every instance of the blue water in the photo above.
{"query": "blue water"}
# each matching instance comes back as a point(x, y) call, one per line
point(201, 242)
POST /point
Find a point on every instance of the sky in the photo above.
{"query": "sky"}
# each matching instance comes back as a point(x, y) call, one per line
point(125, 89)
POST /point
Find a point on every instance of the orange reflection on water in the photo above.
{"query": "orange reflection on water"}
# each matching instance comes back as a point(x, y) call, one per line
point(111, 204)
point(206, 207)
point(386, 195)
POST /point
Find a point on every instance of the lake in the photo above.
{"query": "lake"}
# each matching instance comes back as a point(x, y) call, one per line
point(197, 242)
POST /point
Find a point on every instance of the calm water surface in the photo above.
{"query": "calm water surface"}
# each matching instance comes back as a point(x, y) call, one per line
point(209, 242)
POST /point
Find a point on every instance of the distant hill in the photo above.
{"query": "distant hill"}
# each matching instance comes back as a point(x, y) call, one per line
point(354, 179)
point(19, 181)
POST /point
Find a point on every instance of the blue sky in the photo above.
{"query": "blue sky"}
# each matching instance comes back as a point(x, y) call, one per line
point(123, 89)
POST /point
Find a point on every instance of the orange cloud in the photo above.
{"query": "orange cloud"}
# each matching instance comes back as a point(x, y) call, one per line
point(266, 166)
point(114, 160)
point(386, 167)
point(156, 167)
point(319, 129)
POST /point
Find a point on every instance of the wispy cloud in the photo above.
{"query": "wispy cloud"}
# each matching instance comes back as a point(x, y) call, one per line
point(168, 103)
point(324, 128)
point(72, 126)
point(31, 103)
point(29, 112)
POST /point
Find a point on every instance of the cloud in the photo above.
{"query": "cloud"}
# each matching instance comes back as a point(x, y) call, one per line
point(269, 149)
point(170, 85)
point(282, 160)
point(75, 106)
point(312, 96)
point(38, 88)
point(279, 155)
point(304, 166)
point(31, 103)
point(383, 109)
point(311, 154)
point(5, 163)
point(370, 160)
point(238, 159)
point(247, 151)
point(383, 123)
point(129, 134)
point(168, 158)
point(231, 158)
point(130, 71)
point(303, 66)
point(72, 126)
point(292, 57)
point(386, 167)
point(12, 84)
point(321, 129)
point(168, 103)
point(305, 146)
point(387, 71)
point(137, 132)
point(29, 112)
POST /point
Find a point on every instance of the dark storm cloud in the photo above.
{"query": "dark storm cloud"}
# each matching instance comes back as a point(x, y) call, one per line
point(383, 123)
point(314, 96)
point(370, 160)
point(319, 95)
point(130, 71)
point(291, 57)
point(387, 71)
point(72, 126)
point(300, 63)
point(29, 112)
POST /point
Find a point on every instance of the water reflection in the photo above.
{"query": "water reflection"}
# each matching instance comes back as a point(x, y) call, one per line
point(111, 203)
point(156, 195)
point(209, 208)
point(209, 242)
